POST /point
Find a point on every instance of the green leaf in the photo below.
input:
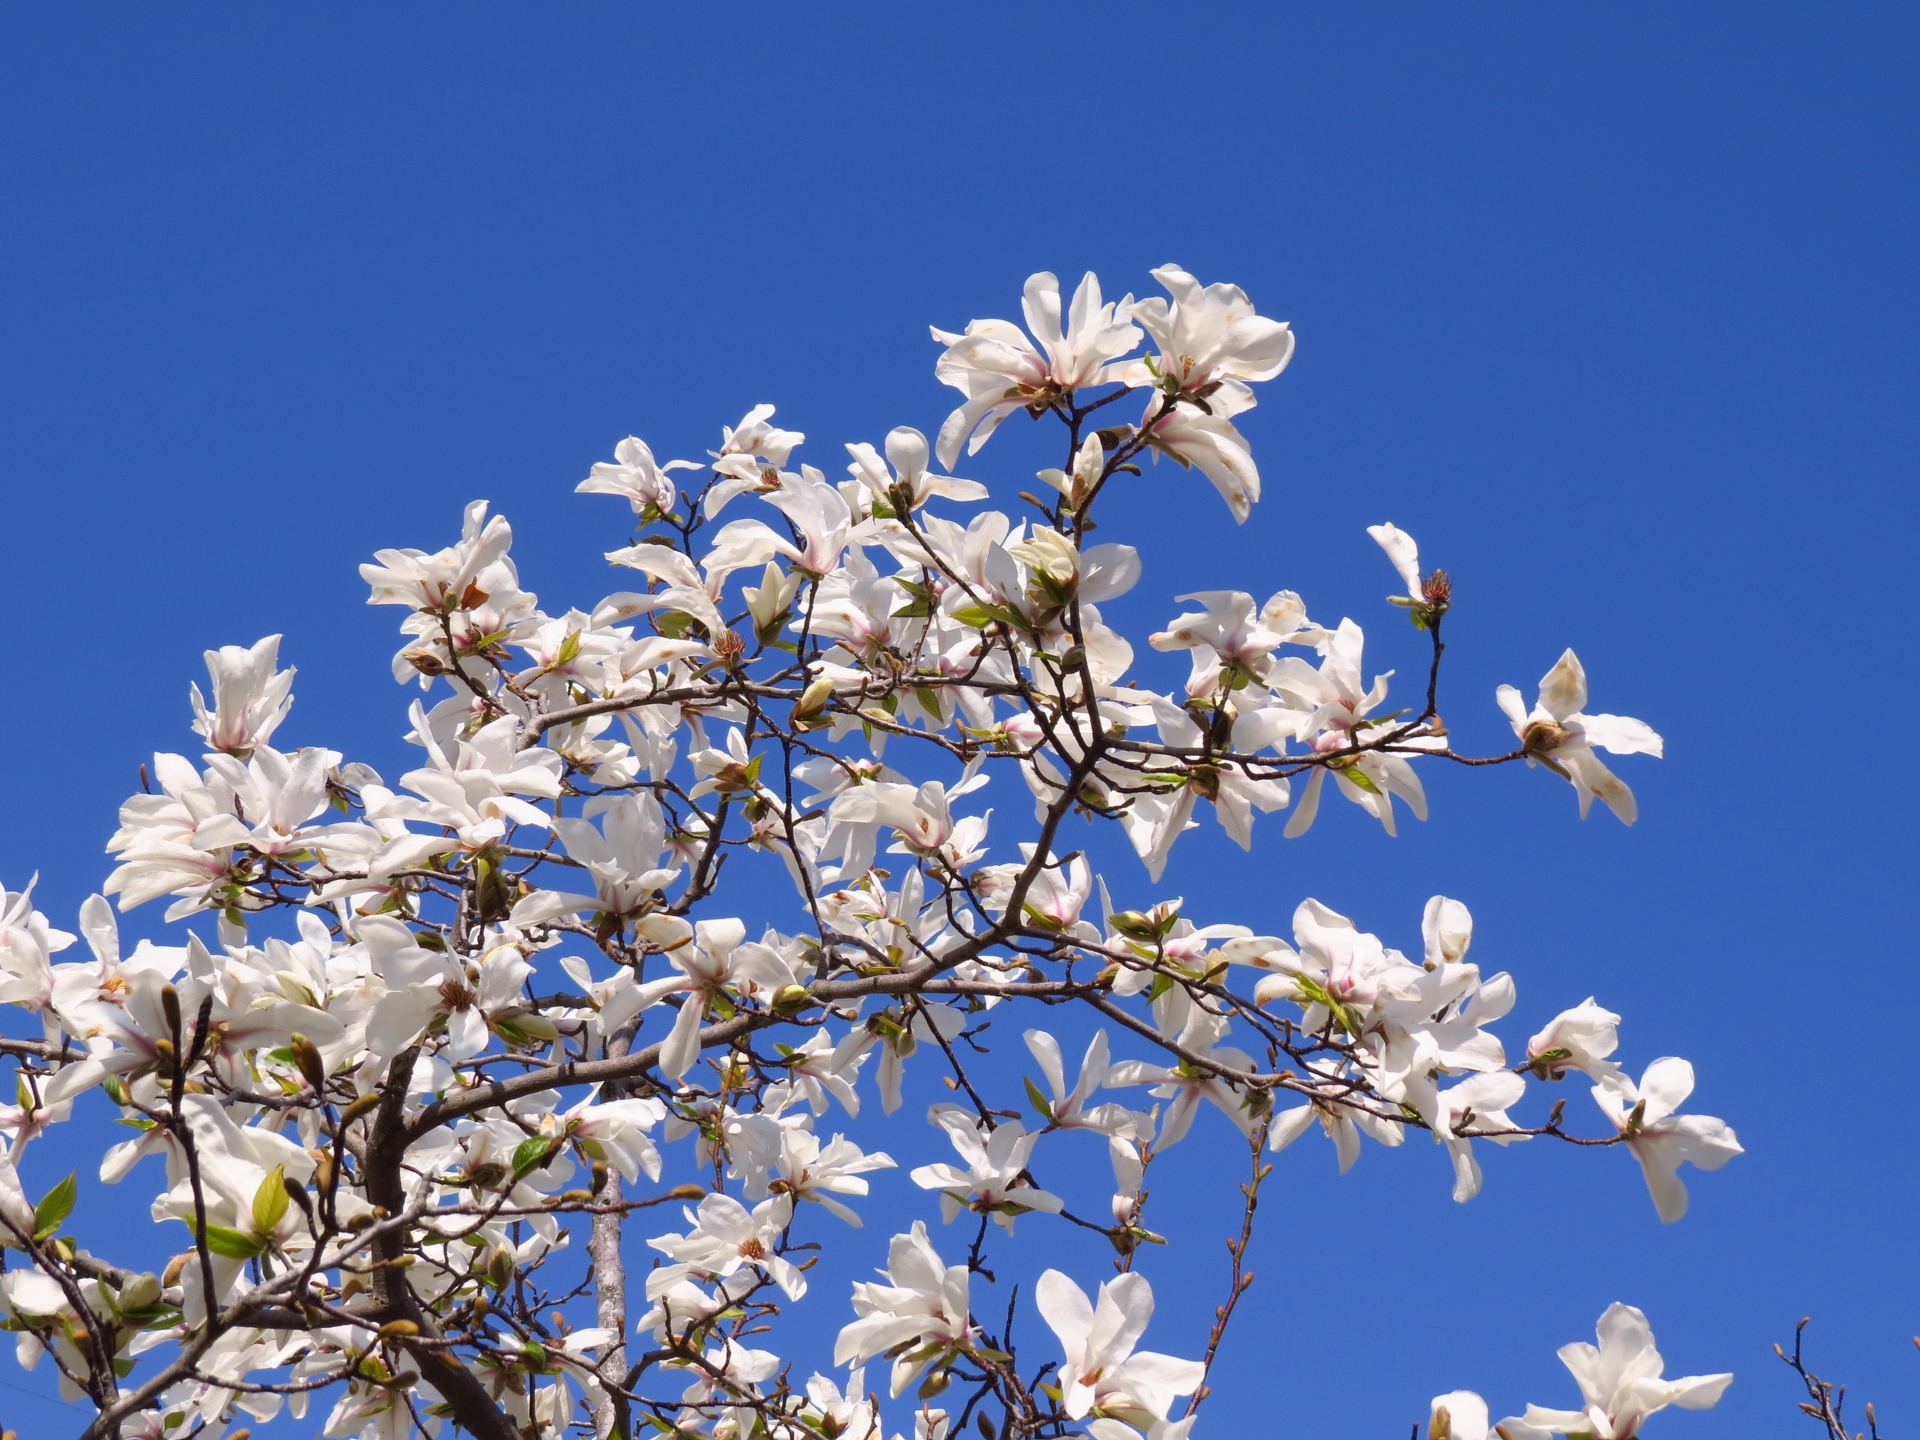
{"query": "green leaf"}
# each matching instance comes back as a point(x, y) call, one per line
point(978, 617)
point(1039, 1101)
point(270, 1201)
point(51, 1212)
point(531, 1155)
point(1318, 994)
point(1359, 777)
point(232, 1244)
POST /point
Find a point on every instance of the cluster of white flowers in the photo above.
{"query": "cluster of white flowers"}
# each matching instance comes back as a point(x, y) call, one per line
point(430, 1037)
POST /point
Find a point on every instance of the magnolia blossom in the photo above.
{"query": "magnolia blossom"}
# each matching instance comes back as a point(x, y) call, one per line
point(907, 453)
point(1660, 1139)
point(647, 486)
point(1190, 1081)
point(1066, 1109)
point(1103, 1374)
point(809, 1170)
point(251, 696)
point(1555, 734)
point(1578, 1039)
point(920, 1315)
point(994, 1180)
point(1477, 1107)
point(1458, 1415)
point(725, 1236)
point(1210, 339)
point(1620, 1382)
point(1340, 721)
point(1334, 1102)
point(1208, 441)
point(1000, 370)
point(711, 956)
point(622, 857)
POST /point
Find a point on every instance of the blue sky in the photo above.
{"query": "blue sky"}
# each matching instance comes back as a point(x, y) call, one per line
point(1611, 307)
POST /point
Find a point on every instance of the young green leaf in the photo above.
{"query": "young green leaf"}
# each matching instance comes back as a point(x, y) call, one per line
point(270, 1201)
point(52, 1211)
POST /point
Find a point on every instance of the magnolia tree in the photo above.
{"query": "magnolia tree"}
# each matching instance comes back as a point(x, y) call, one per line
point(436, 1063)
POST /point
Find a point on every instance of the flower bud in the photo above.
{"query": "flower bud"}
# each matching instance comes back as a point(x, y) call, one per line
point(307, 1056)
point(791, 998)
point(500, 1269)
point(360, 1107)
point(812, 700)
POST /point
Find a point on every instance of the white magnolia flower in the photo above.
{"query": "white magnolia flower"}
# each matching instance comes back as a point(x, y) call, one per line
point(250, 697)
point(1660, 1139)
point(634, 475)
point(623, 862)
point(820, 1067)
point(1477, 1107)
point(1335, 1101)
point(1000, 370)
point(919, 1315)
point(809, 1170)
point(1458, 1415)
point(1187, 1084)
point(757, 436)
point(1103, 1374)
point(993, 1181)
point(1197, 438)
point(1340, 720)
point(1620, 1382)
point(725, 1236)
point(1578, 1039)
point(1555, 734)
point(1211, 341)
point(907, 453)
point(714, 957)
point(1068, 1109)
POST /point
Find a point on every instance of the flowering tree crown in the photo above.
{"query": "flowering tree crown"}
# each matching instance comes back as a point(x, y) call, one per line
point(422, 1044)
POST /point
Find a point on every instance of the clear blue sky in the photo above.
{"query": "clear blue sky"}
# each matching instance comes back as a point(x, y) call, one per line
point(1612, 307)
